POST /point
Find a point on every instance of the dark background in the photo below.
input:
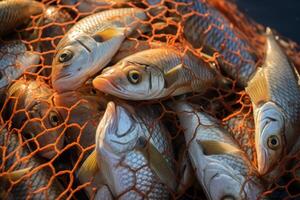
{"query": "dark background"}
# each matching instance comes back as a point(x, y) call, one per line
point(282, 15)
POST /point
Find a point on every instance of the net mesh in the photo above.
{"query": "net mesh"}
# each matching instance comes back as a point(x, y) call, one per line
point(52, 134)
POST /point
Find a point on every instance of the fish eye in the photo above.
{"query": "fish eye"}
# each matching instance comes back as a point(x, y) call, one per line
point(134, 76)
point(54, 118)
point(273, 142)
point(65, 56)
point(227, 197)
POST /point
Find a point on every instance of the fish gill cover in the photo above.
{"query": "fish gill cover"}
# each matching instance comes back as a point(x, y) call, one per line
point(186, 131)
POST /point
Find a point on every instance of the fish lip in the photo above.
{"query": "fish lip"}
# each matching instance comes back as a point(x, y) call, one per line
point(104, 85)
point(262, 167)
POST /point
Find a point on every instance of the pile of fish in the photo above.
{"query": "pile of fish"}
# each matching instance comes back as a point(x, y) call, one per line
point(152, 99)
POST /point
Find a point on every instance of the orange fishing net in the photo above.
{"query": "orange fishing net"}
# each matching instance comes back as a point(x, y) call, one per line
point(52, 134)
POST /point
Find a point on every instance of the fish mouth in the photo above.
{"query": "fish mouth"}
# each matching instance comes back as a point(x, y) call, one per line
point(262, 164)
point(104, 85)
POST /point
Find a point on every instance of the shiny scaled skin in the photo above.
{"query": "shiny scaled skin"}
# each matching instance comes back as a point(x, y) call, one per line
point(275, 95)
point(126, 171)
point(14, 12)
point(161, 72)
point(90, 44)
point(14, 61)
point(222, 174)
point(12, 151)
point(209, 29)
point(37, 119)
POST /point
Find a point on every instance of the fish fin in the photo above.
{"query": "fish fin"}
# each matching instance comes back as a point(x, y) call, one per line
point(215, 147)
point(109, 33)
point(89, 168)
point(258, 88)
point(171, 76)
point(157, 163)
point(16, 175)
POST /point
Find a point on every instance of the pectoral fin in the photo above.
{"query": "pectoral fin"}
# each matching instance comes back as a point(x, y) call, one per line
point(172, 75)
point(157, 163)
point(89, 168)
point(16, 175)
point(108, 34)
point(215, 148)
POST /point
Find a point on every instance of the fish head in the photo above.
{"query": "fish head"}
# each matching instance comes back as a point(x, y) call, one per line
point(269, 136)
point(226, 185)
point(71, 64)
point(130, 80)
point(81, 56)
point(118, 130)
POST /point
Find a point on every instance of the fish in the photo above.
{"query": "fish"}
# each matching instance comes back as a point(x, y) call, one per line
point(275, 96)
point(211, 31)
point(15, 12)
point(20, 176)
point(30, 110)
point(155, 74)
point(241, 127)
point(89, 6)
point(15, 59)
point(222, 168)
point(51, 24)
point(135, 161)
point(90, 44)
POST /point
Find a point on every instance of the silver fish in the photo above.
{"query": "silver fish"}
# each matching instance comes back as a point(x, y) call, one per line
point(211, 31)
point(275, 94)
point(135, 161)
point(19, 165)
point(14, 12)
point(35, 116)
point(15, 59)
point(90, 44)
point(221, 167)
point(154, 74)
point(86, 6)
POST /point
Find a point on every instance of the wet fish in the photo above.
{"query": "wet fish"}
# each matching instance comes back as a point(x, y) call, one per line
point(154, 74)
point(20, 166)
point(35, 116)
point(210, 30)
point(93, 5)
point(15, 59)
point(134, 160)
point(90, 44)
point(14, 12)
point(275, 95)
point(221, 166)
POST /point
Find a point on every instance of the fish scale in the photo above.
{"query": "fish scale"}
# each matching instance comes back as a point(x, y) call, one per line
point(28, 186)
point(212, 30)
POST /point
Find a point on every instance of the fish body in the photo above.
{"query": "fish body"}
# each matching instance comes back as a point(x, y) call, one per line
point(221, 167)
point(156, 73)
point(242, 129)
point(15, 155)
point(14, 12)
point(275, 95)
point(15, 59)
point(210, 30)
point(35, 116)
point(126, 170)
point(90, 44)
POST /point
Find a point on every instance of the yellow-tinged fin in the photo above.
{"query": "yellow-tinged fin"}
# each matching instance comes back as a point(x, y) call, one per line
point(16, 175)
point(157, 163)
point(89, 168)
point(171, 76)
point(109, 33)
point(211, 147)
point(258, 88)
